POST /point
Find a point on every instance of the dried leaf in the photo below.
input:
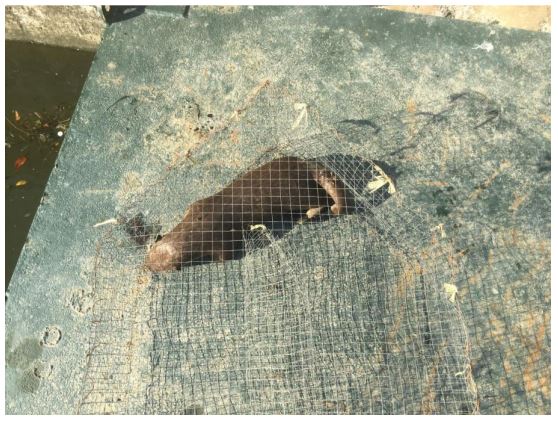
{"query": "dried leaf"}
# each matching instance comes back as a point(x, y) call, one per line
point(376, 184)
point(440, 228)
point(17, 116)
point(303, 108)
point(411, 106)
point(20, 162)
point(21, 183)
point(381, 180)
point(451, 291)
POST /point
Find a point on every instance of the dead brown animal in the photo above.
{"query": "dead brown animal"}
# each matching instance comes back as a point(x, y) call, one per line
point(212, 227)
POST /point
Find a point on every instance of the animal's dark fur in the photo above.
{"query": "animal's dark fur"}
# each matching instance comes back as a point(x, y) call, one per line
point(212, 227)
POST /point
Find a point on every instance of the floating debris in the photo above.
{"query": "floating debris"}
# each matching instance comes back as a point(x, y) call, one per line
point(20, 162)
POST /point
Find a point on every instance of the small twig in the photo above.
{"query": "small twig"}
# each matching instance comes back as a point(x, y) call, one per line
point(108, 221)
point(118, 100)
point(18, 128)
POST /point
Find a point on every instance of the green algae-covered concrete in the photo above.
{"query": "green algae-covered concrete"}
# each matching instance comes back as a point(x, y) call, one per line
point(175, 106)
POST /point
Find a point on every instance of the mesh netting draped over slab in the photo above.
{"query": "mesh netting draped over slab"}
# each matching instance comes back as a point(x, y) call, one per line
point(430, 295)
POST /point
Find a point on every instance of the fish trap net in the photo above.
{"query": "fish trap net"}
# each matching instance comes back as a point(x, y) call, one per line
point(385, 307)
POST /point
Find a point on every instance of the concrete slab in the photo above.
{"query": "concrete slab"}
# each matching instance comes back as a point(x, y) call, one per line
point(64, 26)
point(173, 107)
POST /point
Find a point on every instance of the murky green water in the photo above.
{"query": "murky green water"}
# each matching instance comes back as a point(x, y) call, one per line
point(43, 85)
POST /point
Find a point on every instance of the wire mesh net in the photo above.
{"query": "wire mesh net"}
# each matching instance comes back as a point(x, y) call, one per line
point(391, 265)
